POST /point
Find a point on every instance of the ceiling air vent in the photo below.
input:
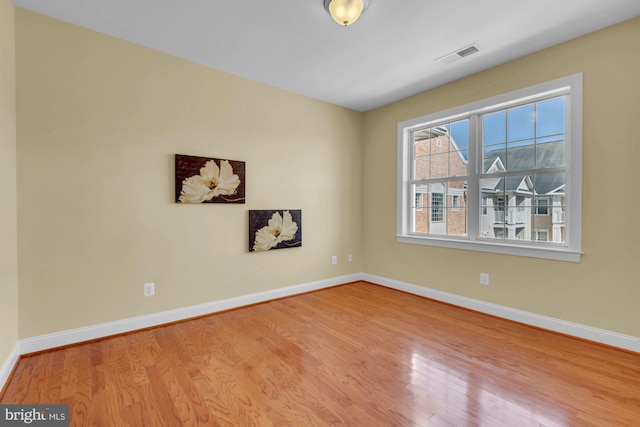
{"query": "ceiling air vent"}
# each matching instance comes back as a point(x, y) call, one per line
point(460, 53)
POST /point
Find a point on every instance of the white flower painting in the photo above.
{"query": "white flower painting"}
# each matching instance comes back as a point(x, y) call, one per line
point(207, 180)
point(274, 229)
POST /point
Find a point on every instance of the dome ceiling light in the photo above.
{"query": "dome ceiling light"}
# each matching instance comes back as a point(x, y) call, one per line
point(345, 12)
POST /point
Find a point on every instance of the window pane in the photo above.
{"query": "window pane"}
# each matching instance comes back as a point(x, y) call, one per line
point(438, 153)
point(440, 208)
point(550, 154)
point(440, 165)
point(459, 133)
point(439, 145)
point(494, 127)
point(419, 196)
point(521, 155)
point(458, 162)
point(546, 184)
point(540, 226)
point(518, 191)
point(521, 123)
point(421, 169)
point(422, 143)
point(551, 117)
point(456, 212)
point(492, 186)
point(492, 213)
point(420, 221)
point(494, 158)
point(549, 226)
point(457, 222)
point(506, 207)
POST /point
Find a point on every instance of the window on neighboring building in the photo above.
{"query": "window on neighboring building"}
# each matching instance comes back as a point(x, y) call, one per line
point(455, 202)
point(542, 206)
point(492, 169)
point(418, 201)
point(542, 235)
point(437, 207)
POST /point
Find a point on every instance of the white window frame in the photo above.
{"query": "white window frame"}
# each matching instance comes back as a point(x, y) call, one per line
point(571, 87)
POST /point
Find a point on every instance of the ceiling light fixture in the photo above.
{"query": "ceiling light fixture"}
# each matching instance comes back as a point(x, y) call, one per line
point(345, 12)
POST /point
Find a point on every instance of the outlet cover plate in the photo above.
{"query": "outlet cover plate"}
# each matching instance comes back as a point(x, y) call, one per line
point(484, 278)
point(149, 289)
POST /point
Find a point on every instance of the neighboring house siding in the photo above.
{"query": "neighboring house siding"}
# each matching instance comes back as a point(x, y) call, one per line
point(512, 209)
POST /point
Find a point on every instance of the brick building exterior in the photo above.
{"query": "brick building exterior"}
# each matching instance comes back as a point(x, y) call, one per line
point(440, 208)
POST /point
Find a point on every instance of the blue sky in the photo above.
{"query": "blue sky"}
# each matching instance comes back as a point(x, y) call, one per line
point(517, 125)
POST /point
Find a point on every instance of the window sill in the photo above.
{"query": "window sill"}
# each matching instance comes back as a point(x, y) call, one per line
point(553, 253)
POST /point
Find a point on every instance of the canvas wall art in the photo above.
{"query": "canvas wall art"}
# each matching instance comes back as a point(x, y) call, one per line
point(209, 180)
point(274, 229)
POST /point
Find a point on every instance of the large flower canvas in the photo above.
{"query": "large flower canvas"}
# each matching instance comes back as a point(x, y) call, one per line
point(274, 229)
point(209, 180)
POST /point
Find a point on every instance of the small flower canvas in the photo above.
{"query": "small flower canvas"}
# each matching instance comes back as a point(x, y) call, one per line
point(209, 180)
point(274, 229)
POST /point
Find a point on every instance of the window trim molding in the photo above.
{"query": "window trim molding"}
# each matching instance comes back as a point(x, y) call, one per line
point(572, 251)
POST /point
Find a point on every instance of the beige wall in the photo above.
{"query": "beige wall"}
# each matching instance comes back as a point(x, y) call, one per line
point(601, 291)
point(8, 209)
point(99, 121)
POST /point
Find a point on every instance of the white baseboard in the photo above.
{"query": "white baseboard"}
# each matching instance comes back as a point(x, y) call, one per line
point(602, 336)
point(8, 365)
point(73, 336)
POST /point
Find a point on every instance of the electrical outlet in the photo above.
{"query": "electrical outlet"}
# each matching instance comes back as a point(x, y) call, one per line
point(484, 278)
point(149, 289)
point(334, 259)
point(350, 258)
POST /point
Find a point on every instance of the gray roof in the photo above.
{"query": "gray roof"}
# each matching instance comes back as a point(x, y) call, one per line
point(547, 154)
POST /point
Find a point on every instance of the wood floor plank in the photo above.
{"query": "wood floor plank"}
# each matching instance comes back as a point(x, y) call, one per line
point(352, 355)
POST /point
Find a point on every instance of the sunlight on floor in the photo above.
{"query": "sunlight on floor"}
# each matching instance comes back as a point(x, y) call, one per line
point(451, 394)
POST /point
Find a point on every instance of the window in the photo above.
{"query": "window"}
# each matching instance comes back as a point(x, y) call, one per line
point(542, 207)
point(437, 203)
point(455, 202)
point(418, 201)
point(499, 174)
point(542, 235)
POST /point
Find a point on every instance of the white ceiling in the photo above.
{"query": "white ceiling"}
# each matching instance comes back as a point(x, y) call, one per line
point(387, 55)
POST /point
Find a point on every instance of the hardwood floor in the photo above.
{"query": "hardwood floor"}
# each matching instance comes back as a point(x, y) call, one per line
point(353, 355)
